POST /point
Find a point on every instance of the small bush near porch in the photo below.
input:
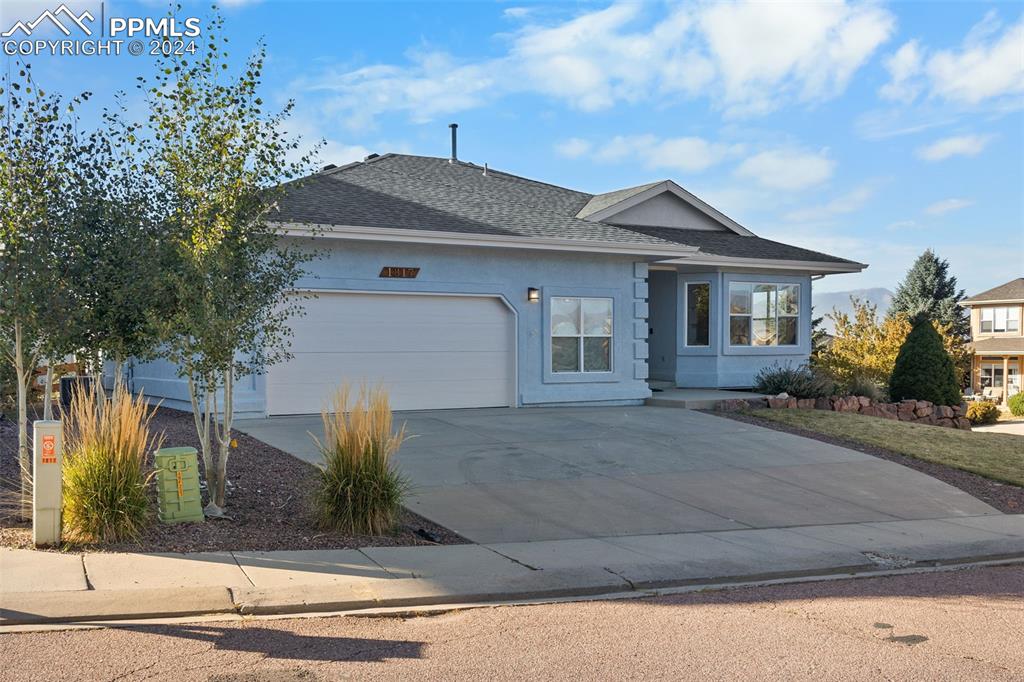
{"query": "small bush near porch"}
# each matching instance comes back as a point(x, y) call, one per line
point(998, 456)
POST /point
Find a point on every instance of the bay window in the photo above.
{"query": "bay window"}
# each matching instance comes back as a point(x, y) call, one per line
point(764, 314)
point(581, 334)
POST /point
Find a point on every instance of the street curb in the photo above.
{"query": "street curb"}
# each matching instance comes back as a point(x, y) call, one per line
point(24, 608)
point(36, 608)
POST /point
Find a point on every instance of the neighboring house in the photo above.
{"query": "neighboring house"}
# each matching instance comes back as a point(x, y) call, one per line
point(997, 339)
point(456, 285)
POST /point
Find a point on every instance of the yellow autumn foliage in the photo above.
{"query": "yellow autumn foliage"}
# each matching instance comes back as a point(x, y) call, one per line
point(865, 347)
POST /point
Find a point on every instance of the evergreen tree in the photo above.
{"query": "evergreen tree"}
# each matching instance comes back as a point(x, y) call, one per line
point(929, 289)
point(923, 369)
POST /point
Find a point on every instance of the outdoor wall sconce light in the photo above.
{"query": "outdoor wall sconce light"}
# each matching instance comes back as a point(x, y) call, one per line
point(533, 294)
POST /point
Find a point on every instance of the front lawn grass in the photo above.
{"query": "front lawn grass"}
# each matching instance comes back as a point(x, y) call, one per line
point(999, 456)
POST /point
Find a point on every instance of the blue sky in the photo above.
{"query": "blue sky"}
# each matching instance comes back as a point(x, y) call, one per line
point(867, 130)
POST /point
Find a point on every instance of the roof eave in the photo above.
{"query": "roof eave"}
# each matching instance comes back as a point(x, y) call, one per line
point(388, 234)
point(967, 302)
point(816, 267)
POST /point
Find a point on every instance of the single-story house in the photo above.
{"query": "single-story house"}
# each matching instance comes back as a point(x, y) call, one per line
point(456, 285)
point(997, 340)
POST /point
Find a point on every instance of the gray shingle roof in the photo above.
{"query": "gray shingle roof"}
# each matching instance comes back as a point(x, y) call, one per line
point(599, 202)
point(1011, 291)
point(737, 245)
point(429, 193)
point(1010, 344)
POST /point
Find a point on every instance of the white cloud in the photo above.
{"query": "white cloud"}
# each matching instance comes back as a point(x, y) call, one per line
point(947, 205)
point(986, 66)
point(768, 50)
point(903, 225)
point(516, 12)
point(434, 85)
point(787, 169)
point(903, 67)
point(685, 154)
point(573, 148)
point(980, 70)
point(304, 126)
point(746, 57)
point(960, 145)
point(845, 203)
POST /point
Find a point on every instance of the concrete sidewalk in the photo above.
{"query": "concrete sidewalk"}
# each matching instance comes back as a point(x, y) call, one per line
point(40, 587)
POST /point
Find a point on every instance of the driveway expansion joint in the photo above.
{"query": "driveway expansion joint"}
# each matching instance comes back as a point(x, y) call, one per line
point(242, 569)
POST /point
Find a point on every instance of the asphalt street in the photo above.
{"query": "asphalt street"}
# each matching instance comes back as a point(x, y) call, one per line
point(957, 625)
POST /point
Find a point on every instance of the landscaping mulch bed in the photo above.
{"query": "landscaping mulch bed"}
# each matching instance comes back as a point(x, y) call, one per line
point(1005, 497)
point(267, 504)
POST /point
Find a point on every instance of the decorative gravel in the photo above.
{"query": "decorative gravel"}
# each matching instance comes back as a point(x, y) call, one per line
point(1005, 497)
point(268, 504)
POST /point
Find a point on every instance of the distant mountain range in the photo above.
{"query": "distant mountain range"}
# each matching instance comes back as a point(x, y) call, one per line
point(824, 302)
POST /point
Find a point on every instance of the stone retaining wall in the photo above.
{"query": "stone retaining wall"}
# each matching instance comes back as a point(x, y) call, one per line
point(919, 411)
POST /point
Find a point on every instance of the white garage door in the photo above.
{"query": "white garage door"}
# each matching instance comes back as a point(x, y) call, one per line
point(429, 351)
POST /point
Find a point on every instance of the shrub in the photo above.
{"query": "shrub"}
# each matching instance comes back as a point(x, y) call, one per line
point(798, 382)
point(359, 490)
point(1016, 404)
point(982, 412)
point(923, 369)
point(862, 386)
point(104, 468)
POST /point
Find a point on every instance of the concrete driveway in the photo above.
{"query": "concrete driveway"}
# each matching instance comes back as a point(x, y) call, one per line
point(530, 475)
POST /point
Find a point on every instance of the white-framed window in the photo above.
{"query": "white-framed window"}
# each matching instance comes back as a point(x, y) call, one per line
point(1000, 320)
point(581, 334)
point(992, 375)
point(698, 314)
point(764, 314)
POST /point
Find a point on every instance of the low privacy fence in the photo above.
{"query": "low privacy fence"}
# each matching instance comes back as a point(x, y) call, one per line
point(919, 411)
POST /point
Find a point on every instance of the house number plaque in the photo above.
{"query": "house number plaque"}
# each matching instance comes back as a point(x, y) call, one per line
point(394, 272)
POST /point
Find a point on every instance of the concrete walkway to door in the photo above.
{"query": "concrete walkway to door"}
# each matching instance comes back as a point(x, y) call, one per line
point(533, 475)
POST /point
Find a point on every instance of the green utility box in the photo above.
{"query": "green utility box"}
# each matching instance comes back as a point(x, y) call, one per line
point(177, 480)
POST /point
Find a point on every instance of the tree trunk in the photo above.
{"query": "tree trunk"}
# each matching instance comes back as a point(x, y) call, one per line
point(24, 461)
point(97, 382)
point(201, 410)
point(48, 392)
point(118, 377)
point(224, 438)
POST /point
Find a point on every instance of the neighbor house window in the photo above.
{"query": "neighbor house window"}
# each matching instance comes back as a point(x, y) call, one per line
point(1000, 320)
point(581, 334)
point(992, 375)
point(763, 314)
point(698, 313)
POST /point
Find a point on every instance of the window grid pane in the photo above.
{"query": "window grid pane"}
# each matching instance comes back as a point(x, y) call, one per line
point(581, 334)
point(764, 314)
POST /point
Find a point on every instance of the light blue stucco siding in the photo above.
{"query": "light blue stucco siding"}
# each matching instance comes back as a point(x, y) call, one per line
point(719, 364)
point(508, 274)
point(486, 271)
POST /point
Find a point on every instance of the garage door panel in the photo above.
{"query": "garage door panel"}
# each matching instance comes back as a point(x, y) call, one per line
point(408, 395)
point(391, 366)
point(348, 338)
point(429, 351)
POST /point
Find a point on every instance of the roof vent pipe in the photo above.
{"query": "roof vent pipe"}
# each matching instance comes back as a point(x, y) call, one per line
point(455, 156)
point(485, 169)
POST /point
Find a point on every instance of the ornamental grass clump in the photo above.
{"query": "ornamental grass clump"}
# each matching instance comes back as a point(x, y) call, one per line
point(105, 473)
point(359, 490)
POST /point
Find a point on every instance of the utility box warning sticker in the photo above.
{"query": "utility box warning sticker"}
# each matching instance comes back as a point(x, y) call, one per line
point(49, 450)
